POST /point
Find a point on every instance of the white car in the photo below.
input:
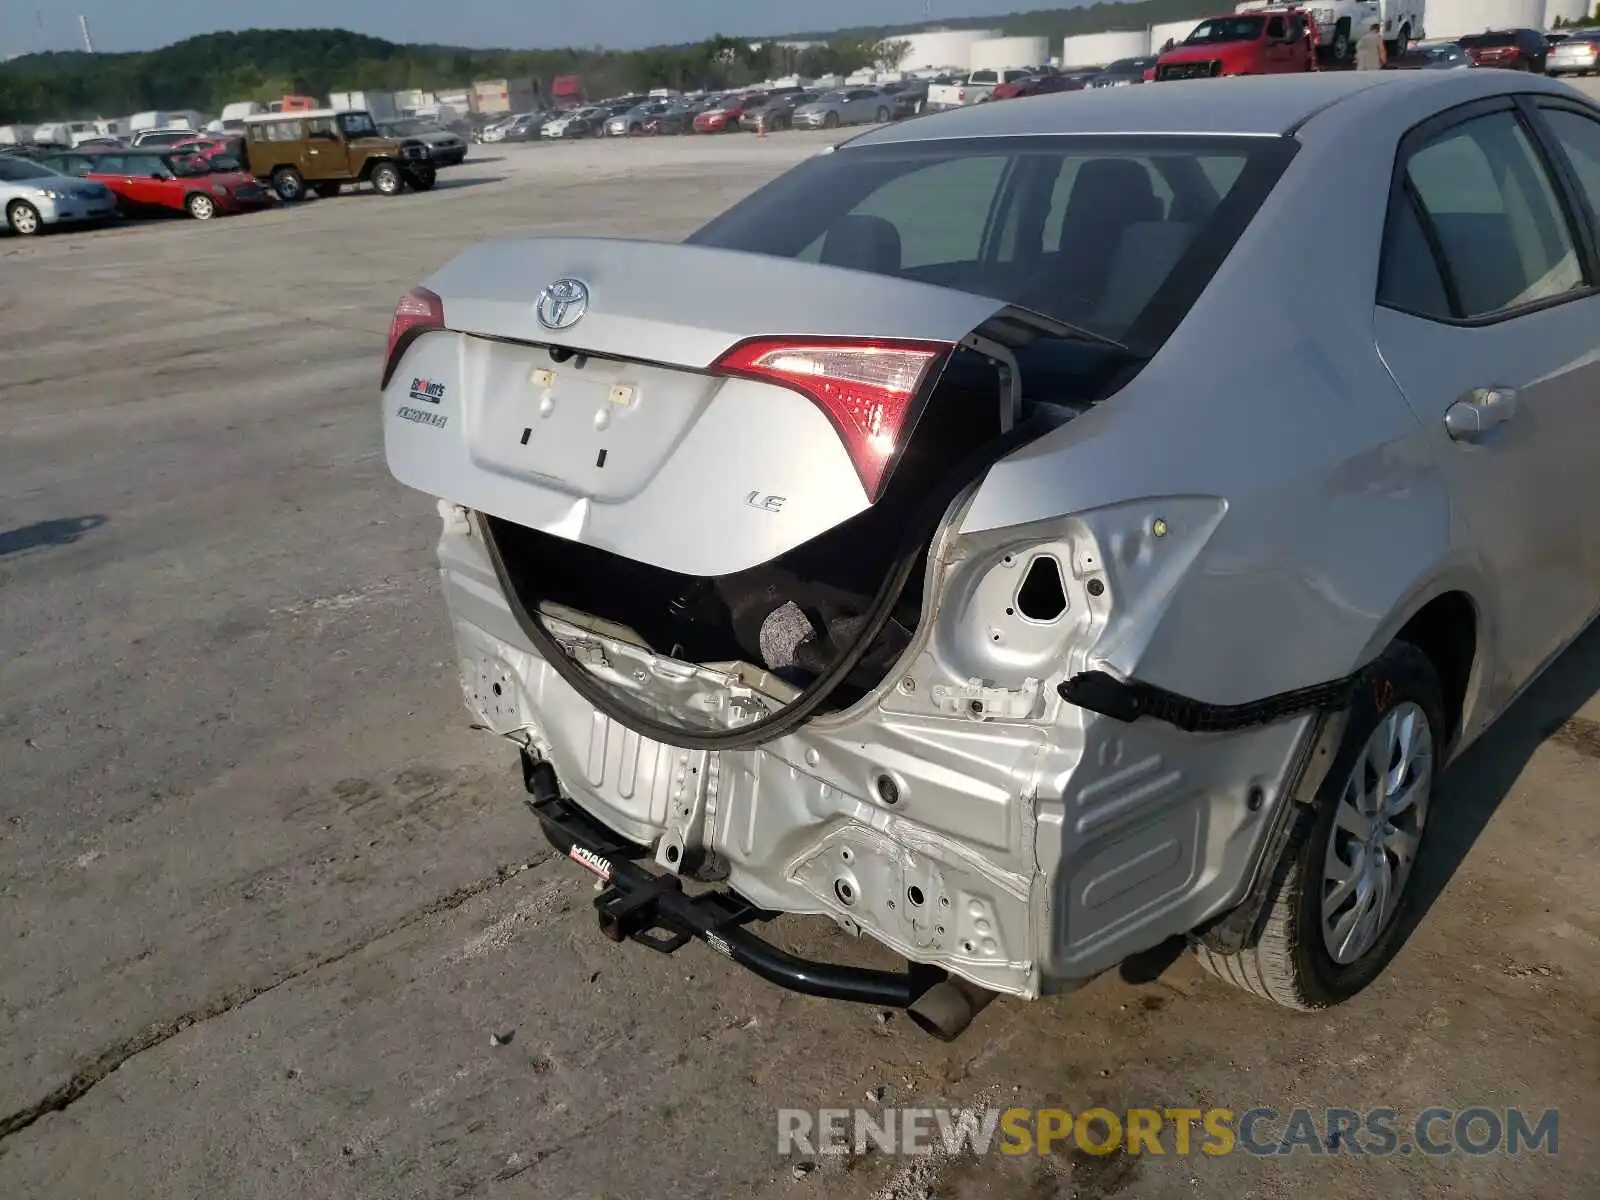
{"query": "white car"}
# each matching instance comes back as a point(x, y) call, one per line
point(33, 195)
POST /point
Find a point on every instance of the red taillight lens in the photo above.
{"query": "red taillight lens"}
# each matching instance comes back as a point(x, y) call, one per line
point(866, 387)
point(962, 95)
point(418, 312)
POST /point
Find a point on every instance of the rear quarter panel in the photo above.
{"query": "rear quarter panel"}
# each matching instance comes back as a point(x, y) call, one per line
point(1336, 519)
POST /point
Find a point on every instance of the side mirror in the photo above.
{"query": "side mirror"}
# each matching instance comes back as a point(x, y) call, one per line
point(158, 174)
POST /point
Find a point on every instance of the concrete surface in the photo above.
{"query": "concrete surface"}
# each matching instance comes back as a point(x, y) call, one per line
point(264, 898)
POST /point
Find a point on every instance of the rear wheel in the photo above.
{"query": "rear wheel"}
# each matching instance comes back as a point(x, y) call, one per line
point(326, 191)
point(200, 206)
point(386, 179)
point(287, 183)
point(23, 218)
point(1341, 889)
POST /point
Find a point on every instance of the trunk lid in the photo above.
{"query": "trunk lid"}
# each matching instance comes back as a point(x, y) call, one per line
point(612, 428)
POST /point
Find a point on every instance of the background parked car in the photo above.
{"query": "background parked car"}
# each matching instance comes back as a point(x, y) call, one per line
point(34, 195)
point(445, 148)
point(1576, 54)
point(36, 150)
point(1123, 72)
point(612, 110)
point(776, 113)
point(725, 117)
point(676, 118)
point(1432, 56)
point(1042, 84)
point(156, 180)
point(328, 150)
point(583, 122)
point(909, 97)
point(524, 127)
point(211, 145)
point(1509, 49)
point(159, 137)
point(632, 122)
point(853, 106)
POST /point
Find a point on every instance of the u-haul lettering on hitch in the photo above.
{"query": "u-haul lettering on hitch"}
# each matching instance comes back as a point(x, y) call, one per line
point(590, 861)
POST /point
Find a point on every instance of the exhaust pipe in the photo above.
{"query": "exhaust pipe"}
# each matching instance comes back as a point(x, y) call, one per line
point(946, 1009)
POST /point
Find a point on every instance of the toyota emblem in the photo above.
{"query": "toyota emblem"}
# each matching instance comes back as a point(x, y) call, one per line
point(562, 304)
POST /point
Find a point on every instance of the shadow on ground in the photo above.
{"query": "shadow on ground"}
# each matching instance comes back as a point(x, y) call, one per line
point(1472, 789)
point(60, 532)
point(1474, 786)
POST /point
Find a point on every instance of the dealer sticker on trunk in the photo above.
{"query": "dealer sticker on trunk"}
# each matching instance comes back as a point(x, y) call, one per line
point(590, 861)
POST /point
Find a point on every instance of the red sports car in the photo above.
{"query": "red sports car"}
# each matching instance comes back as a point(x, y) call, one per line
point(152, 179)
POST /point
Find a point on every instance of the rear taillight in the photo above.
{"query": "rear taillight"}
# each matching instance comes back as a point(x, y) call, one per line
point(418, 312)
point(866, 387)
point(962, 95)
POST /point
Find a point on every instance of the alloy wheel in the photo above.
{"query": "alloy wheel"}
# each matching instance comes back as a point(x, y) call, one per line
point(24, 219)
point(1377, 828)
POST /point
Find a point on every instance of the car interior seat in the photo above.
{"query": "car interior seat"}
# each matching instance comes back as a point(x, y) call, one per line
point(866, 243)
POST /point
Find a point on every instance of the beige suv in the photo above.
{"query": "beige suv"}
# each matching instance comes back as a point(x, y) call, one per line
point(324, 150)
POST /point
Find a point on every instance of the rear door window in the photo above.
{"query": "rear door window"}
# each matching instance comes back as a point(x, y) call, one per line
point(1488, 205)
point(1579, 139)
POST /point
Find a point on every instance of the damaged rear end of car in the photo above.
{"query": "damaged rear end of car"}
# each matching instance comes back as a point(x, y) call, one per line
point(727, 555)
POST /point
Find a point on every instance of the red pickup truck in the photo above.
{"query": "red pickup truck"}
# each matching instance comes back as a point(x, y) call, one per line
point(1279, 42)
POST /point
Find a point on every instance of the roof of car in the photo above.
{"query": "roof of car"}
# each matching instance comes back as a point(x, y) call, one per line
point(120, 151)
point(1253, 105)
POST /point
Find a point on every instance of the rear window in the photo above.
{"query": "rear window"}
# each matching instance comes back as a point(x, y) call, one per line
point(1487, 41)
point(1089, 231)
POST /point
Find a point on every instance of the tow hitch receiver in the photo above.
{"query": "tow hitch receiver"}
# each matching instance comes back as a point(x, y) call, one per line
point(640, 906)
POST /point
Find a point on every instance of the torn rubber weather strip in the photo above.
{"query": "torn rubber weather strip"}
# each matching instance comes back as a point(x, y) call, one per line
point(1128, 701)
point(910, 557)
point(653, 910)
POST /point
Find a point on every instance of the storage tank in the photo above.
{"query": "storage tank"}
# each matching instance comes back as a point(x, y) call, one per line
point(942, 47)
point(1568, 11)
point(1101, 49)
point(1455, 18)
point(1177, 31)
point(996, 54)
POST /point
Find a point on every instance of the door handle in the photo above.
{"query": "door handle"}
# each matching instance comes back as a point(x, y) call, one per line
point(1478, 412)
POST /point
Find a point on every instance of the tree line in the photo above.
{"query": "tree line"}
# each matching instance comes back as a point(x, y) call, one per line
point(264, 64)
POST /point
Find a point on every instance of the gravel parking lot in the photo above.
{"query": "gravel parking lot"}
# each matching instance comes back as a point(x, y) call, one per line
point(266, 902)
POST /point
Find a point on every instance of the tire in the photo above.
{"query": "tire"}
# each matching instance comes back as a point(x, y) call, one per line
point(23, 219)
point(1291, 963)
point(386, 179)
point(421, 179)
point(286, 181)
point(200, 206)
point(1342, 48)
point(326, 191)
point(883, 116)
point(831, 121)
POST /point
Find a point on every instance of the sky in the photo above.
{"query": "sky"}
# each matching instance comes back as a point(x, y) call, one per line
point(34, 25)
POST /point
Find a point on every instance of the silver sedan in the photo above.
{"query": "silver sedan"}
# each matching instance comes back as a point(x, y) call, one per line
point(985, 535)
point(851, 106)
point(33, 196)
